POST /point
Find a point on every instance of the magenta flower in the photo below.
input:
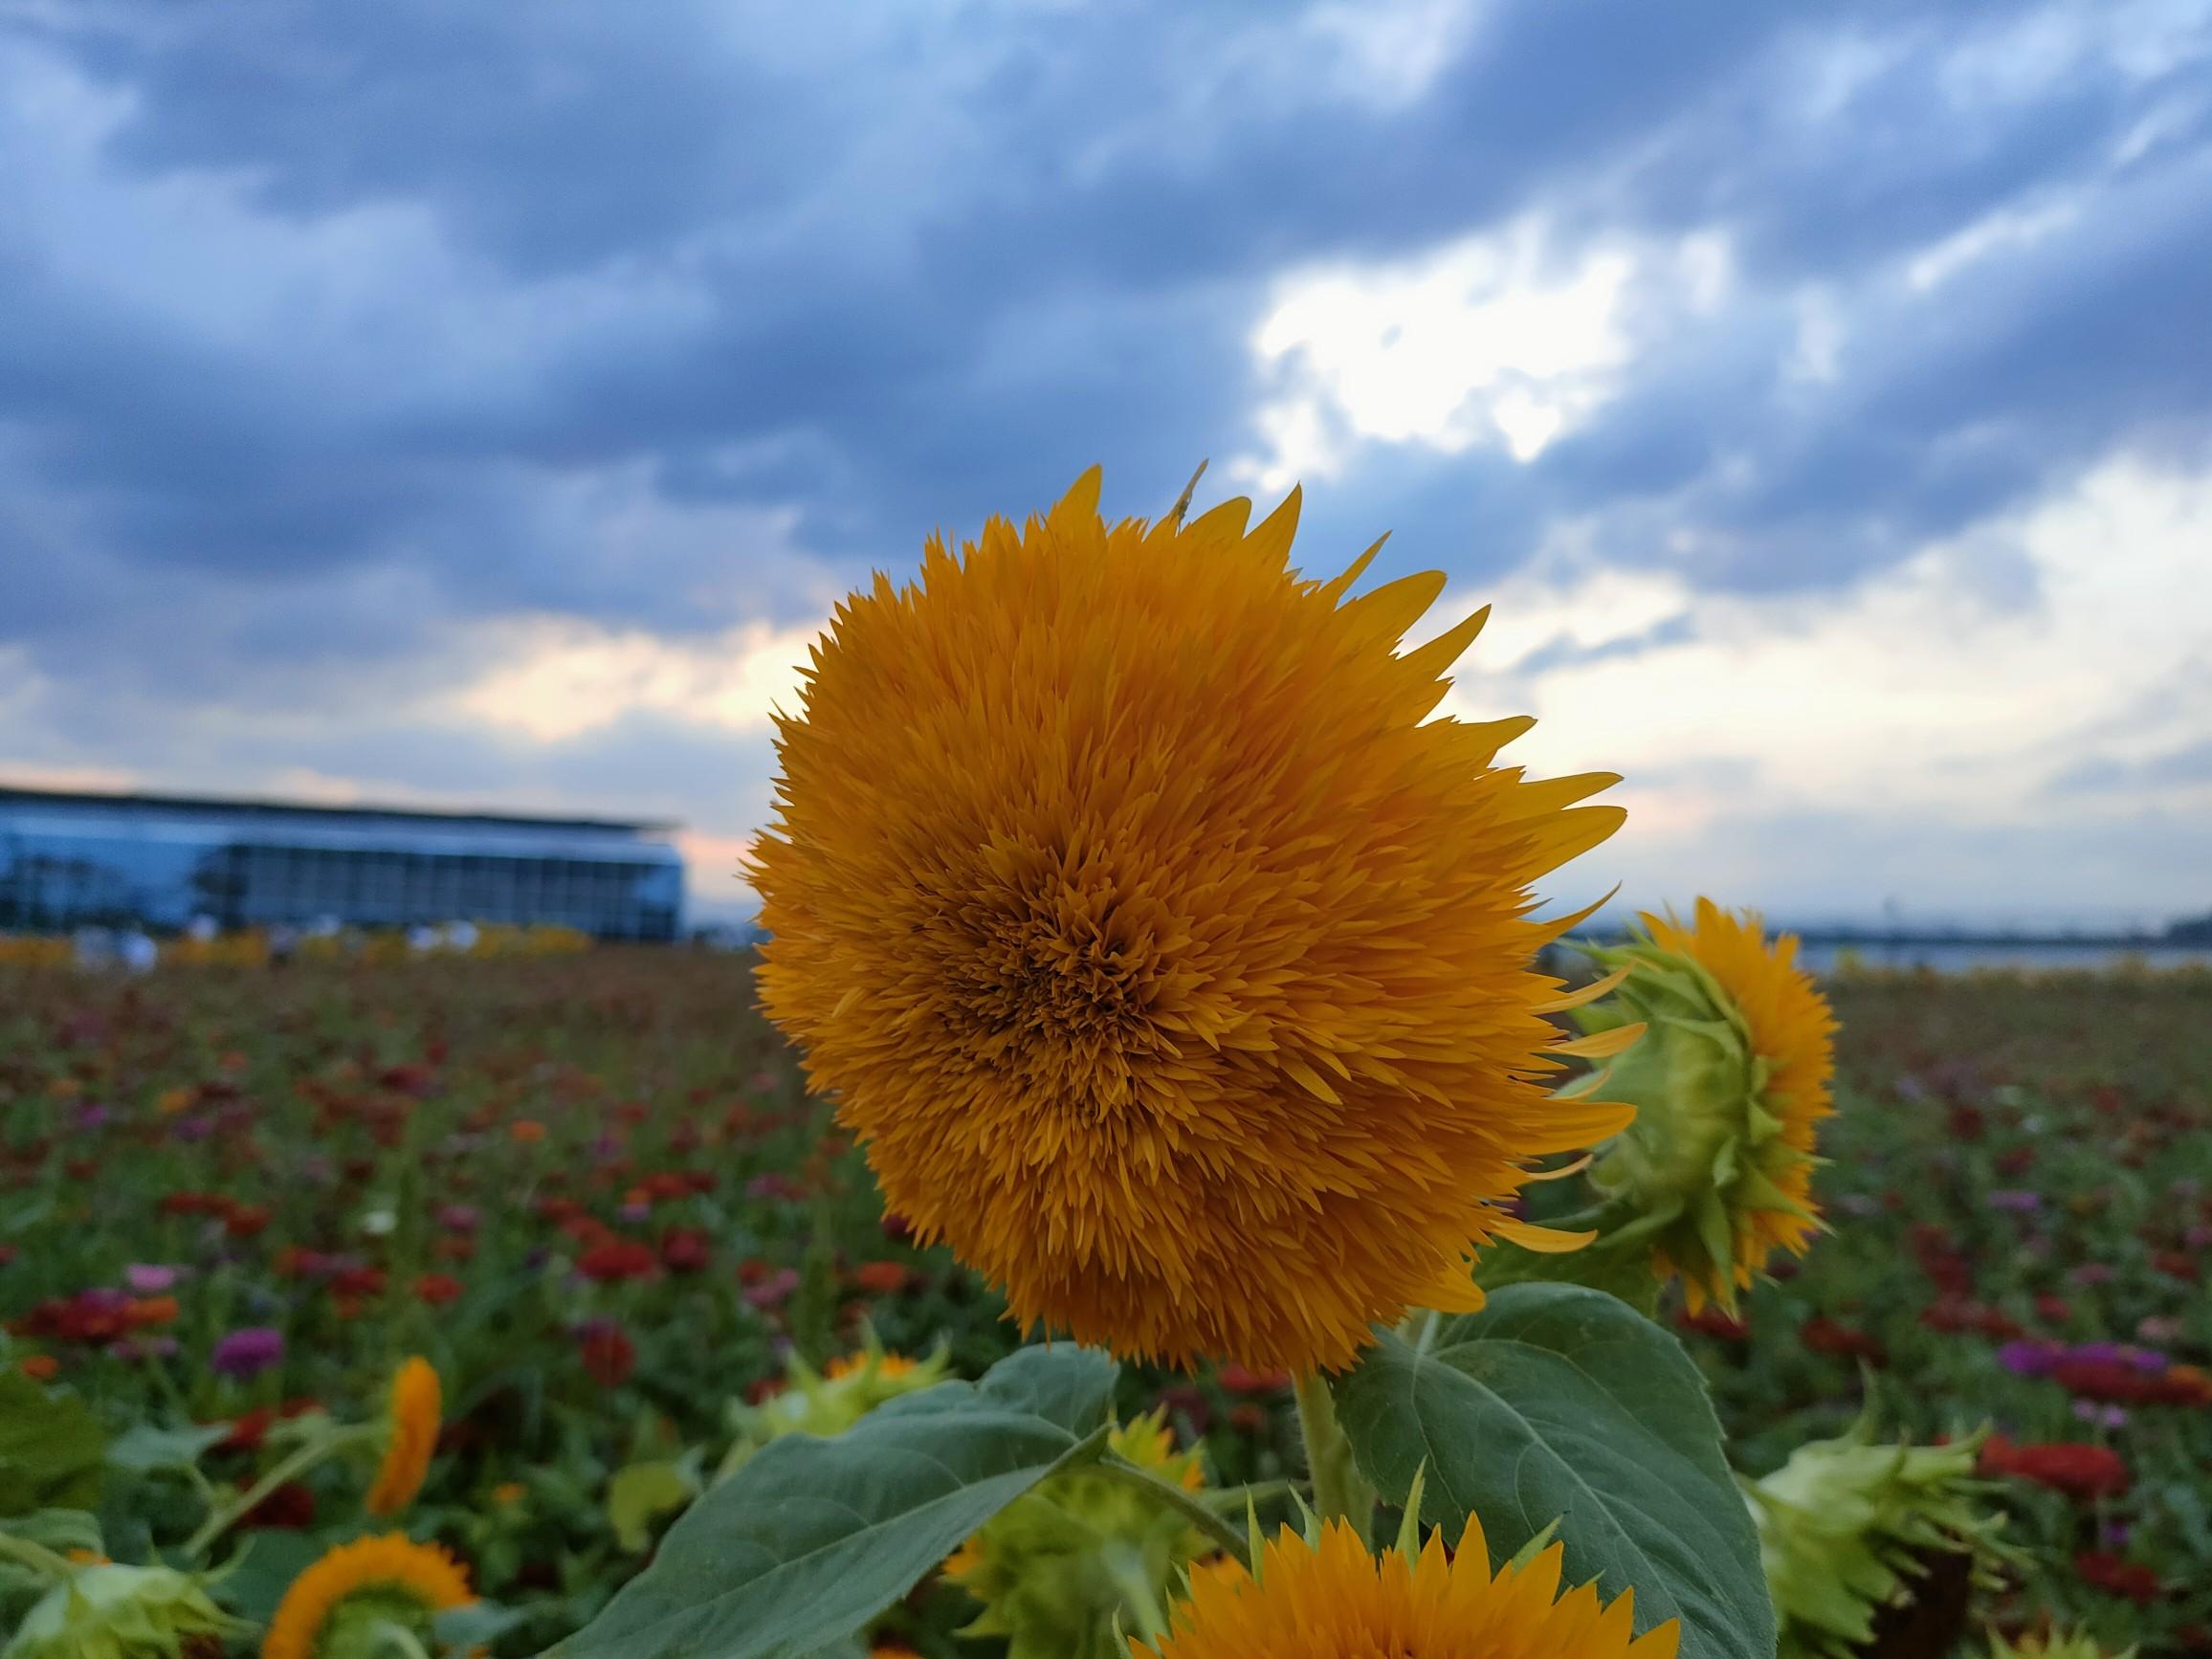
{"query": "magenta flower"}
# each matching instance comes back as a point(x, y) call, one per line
point(774, 1291)
point(148, 1279)
point(247, 1352)
point(2018, 1200)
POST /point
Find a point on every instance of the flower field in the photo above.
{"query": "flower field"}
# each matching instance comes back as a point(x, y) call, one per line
point(593, 1193)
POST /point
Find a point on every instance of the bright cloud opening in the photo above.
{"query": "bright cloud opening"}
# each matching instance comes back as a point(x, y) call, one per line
point(1492, 339)
point(1964, 688)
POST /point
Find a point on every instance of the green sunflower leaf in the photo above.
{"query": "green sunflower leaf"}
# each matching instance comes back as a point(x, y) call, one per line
point(51, 1447)
point(813, 1538)
point(1559, 1401)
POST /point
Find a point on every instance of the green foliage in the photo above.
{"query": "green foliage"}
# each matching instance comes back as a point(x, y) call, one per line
point(813, 1538)
point(1559, 1403)
point(50, 1448)
point(640, 1493)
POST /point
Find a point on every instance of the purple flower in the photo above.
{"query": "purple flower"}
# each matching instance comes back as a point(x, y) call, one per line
point(247, 1352)
point(634, 1212)
point(460, 1218)
point(197, 1127)
point(2144, 1360)
point(2029, 1358)
point(2018, 1200)
point(91, 1117)
point(2091, 1273)
point(150, 1280)
point(774, 1291)
point(2104, 1416)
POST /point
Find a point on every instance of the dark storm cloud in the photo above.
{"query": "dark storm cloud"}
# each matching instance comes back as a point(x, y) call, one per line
point(666, 316)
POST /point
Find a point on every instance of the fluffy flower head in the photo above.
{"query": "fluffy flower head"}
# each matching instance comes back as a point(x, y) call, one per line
point(333, 1609)
point(413, 1413)
point(1729, 1082)
point(1171, 963)
point(1333, 1599)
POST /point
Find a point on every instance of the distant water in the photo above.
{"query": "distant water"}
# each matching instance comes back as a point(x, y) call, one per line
point(2036, 956)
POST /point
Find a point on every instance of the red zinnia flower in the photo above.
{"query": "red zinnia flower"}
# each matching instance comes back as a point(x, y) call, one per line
point(608, 1357)
point(356, 1282)
point(1710, 1321)
point(684, 1249)
point(1239, 1380)
point(2107, 1572)
point(290, 1508)
point(881, 1278)
point(1821, 1335)
point(437, 1290)
point(616, 1258)
point(2080, 1471)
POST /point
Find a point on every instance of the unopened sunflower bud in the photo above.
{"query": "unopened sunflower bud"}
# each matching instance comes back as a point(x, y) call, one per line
point(2052, 1644)
point(828, 1402)
point(1847, 1528)
point(117, 1612)
point(1729, 1081)
point(1065, 1566)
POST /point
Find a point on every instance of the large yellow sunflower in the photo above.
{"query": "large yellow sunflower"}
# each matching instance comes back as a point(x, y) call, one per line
point(1730, 1081)
point(1335, 1600)
point(413, 1413)
point(389, 1580)
point(1171, 963)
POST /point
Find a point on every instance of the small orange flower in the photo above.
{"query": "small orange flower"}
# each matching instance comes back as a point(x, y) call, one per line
point(41, 1367)
point(144, 1311)
point(526, 1131)
point(414, 1436)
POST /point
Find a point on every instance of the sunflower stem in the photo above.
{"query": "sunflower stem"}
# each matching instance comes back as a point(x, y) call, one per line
point(1339, 1488)
point(1217, 1527)
point(223, 1519)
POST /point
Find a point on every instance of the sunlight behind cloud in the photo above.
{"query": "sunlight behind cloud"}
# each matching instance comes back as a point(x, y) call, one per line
point(1492, 339)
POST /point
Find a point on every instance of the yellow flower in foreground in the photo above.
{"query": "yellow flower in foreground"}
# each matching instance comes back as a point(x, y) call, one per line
point(1729, 1082)
point(1334, 1600)
point(390, 1580)
point(414, 1436)
point(1171, 963)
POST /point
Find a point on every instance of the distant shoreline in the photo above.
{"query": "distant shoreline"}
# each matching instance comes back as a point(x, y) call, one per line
point(1853, 939)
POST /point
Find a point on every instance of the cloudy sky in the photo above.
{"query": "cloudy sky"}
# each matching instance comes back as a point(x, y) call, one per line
point(466, 402)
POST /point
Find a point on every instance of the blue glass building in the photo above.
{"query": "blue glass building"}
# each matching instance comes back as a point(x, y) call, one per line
point(91, 860)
